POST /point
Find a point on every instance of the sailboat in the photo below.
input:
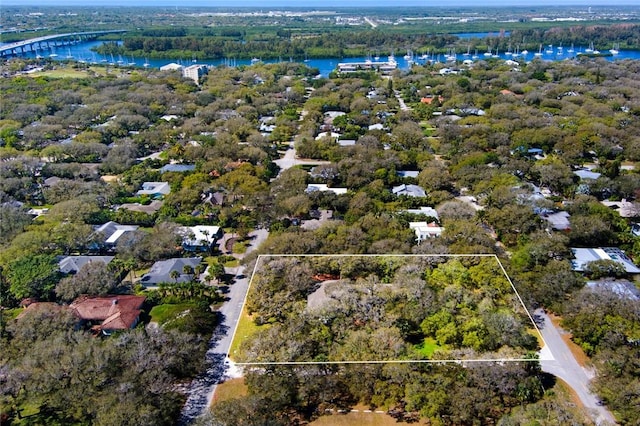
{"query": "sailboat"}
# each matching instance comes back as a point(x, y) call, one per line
point(571, 50)
point(146, 63)
point(468, 48)
point(508, 52)
point(69, 55)
point(616, 49)
point(53, 52)
point(475, 55)
point(589, 49)
point(539, 52)
point(549, 50)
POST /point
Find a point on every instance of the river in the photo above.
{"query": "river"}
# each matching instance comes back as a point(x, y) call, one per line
point(82, 52)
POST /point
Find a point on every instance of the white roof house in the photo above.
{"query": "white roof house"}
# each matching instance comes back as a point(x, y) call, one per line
point(427, 211)
point(200, 237)
point(113, 231)
point(426, 230)
point(558, 220)
point(171, 67)
point(312, 187)
point(332, 135)
point(584, 174)
point(582, 256)
point(154, 188)
point(624, 208)
point(409, 190)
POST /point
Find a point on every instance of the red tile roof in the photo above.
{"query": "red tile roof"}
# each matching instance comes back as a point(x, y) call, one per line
point(115, 312)
point(429, 99)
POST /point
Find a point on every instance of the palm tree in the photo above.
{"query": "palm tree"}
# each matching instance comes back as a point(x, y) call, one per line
point(200, 268)
point(175, 275)
point(130, 264)
point(188, 270)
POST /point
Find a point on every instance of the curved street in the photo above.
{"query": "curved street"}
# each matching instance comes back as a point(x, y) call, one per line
point(556, 358)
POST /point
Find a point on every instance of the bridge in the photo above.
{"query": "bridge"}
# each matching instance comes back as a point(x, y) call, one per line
point(33, 44)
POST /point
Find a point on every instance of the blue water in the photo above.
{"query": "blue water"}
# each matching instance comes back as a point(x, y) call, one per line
point(82, 52)
point(482, 35)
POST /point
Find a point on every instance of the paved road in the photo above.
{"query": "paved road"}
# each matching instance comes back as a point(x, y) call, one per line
point(556, 358)
point(403, 105)
point(289, 159)
point(202, 388)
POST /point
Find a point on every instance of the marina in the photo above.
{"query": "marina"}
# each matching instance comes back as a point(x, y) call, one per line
point(84, 53)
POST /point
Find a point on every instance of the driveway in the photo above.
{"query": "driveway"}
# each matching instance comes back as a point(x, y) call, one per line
point(290, 159)
point(202, 388)
point(556, 358)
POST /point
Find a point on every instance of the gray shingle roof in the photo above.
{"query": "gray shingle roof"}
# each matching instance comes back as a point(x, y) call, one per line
point(160, 272)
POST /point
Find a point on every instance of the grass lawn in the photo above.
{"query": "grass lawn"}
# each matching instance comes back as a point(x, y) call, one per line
point(230, 389)
point(232, 263)
point(64, 73)
point(240, 247)
point(246, 328)
point(161, 314)
point(536, 334)
point(10, 314)
point(428, 347)
point(358, 419)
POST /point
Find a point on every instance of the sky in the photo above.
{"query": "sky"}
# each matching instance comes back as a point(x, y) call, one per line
point(321, 3)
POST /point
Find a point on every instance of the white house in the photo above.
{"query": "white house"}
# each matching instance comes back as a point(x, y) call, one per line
point(200, 237)
point(409, 190)
point(582, 256)
point(426, 230)
point(312, 187)
point(427, 211)
point(154, 188)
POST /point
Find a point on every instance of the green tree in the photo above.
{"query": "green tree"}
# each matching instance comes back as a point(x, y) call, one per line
point(34, 275)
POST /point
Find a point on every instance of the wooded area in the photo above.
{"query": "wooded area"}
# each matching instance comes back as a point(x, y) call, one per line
point(495, 146)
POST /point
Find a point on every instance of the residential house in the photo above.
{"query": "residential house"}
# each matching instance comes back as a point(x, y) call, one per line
point(109, 313)
point(312, 187)
point(179, 168)
point(408, 173)
point(155, 189)
point(430, 98)
point(161, 271)
point(409, 190)
point(426, 230)
point(200, 237)
point(110, 233)
point(171, 67)
point(624, 208)
point(622, 288)
point(586, 174)
point(558, 220)
point(72, 264)
point(582, 256)
point(427, 211)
